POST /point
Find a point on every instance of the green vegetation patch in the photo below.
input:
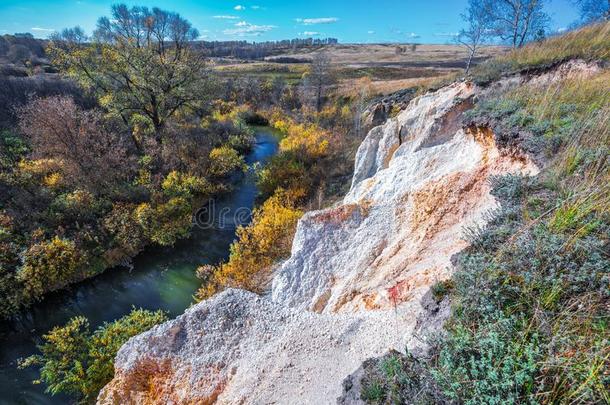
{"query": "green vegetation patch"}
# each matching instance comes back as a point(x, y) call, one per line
point(79, 362)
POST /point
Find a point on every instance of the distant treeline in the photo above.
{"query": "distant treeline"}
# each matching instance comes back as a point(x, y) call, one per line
point(20, 48)
point(260, 50)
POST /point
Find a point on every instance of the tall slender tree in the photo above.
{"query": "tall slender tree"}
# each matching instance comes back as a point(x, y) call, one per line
point(516, 21)
point(319, 77)
point(594, 10)
point(478, 26)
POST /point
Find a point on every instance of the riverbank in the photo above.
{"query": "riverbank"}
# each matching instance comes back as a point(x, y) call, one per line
point(161, 278)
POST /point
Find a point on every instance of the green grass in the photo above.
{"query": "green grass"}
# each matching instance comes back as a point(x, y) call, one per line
point(529, 323)
point(373, 392)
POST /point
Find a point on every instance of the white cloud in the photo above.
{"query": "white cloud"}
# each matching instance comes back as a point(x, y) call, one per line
point(371, 32)
point(246, 29)
point(39, 29)
point(413, 35)
point(562, 29)
point(309, 34)
point(239, 8)
point(226, 17)
point(319, 20)
point(255, 7)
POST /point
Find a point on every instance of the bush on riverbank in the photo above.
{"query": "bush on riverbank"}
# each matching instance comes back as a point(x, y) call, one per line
point(94, 170)
point(78, 362)
point(66, 218)
point(314, 158)
point(259, 245)
point(295, 166)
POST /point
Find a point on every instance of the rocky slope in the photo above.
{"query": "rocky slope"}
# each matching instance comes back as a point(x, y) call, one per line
point(353, 285)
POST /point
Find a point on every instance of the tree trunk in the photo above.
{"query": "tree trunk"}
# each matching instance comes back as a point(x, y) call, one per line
point(469, 61)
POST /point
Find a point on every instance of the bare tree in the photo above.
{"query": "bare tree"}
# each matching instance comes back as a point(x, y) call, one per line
point(90, 152)
point(248, 90)
point(290, 98)
point(594, 10)
point(362, 92)
point(476, 30)
point(516, 21)
point(277, 88)
point(319, 77)
point(74, 35)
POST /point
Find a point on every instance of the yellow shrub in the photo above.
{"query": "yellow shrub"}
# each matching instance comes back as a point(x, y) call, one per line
point(179, 184)
point(167, 222)
point(267, 239)
point(80, 198)
point(275, 115)
point(40, 168)
point(281, 125)
point(225, 160)
point(50, 265)
point(126, 232)
point(307, 138)
point(53, 180)
point(227, 112)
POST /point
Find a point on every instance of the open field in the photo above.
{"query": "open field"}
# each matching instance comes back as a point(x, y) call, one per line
point(363, 55)
point(388, 68)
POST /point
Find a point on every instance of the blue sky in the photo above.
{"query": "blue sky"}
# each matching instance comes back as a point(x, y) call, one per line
point(424, 21)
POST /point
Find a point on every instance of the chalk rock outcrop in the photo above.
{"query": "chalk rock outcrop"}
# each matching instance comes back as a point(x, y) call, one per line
point(350, 290)
point(419, 180)
point(241, 348)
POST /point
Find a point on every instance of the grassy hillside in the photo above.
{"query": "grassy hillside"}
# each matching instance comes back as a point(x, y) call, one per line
point(530, 297)
point(589, 43)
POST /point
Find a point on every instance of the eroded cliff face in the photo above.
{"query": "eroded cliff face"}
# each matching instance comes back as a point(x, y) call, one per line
point(352, 287)
point(241, 348)
point(419, 180)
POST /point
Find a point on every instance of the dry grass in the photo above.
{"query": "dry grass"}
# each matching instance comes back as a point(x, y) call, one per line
point(578, 108)
point(385, 87)
point(590, 42)
point(391, 86)
point(432, 55)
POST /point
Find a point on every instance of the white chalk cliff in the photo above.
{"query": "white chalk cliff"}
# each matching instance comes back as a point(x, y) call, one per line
point(352, 286)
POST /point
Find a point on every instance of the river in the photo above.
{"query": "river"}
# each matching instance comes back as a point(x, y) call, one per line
point(161, 278)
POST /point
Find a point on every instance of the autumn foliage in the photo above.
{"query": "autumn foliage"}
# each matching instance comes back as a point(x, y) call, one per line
point(258, 246)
